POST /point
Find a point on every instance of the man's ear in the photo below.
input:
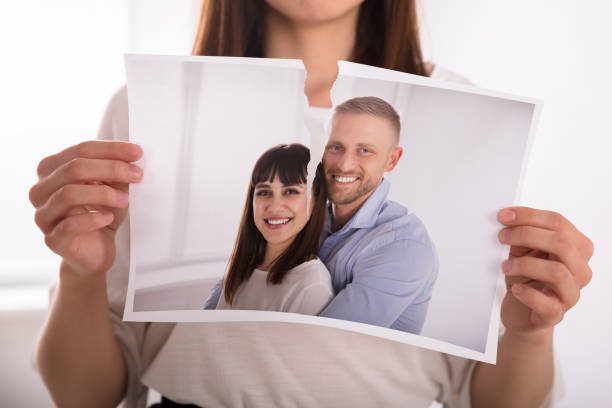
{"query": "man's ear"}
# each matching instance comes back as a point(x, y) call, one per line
point(396, 153)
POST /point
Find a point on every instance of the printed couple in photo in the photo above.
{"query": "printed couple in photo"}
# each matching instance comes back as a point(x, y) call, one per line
point(349, 253)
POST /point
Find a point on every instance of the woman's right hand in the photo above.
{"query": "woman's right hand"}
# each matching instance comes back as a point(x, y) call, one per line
point(81, 198)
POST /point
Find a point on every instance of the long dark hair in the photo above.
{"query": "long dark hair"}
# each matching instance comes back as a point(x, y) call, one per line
point(387, 33)
point(288, 163)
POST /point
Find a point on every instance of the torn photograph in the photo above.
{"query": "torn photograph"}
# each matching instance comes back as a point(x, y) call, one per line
point(376, 215)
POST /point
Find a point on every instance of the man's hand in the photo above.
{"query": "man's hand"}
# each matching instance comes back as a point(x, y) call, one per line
point(547, 268)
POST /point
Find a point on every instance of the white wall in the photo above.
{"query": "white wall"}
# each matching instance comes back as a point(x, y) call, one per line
point(559, 51)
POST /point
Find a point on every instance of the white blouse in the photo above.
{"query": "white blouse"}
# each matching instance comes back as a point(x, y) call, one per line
point(305, 289)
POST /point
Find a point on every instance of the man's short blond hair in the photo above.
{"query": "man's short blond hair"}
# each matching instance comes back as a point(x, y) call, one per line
point(371, 105)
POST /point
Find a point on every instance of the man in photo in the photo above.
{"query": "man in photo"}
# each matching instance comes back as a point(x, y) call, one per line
point(381, 259)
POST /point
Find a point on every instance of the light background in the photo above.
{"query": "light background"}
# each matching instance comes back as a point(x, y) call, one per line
point(62, 61)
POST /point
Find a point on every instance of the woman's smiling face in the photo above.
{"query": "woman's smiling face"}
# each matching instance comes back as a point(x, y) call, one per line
point(279, 211)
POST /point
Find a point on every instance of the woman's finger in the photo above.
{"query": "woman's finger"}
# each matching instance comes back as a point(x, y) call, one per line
point(547, 309)
point(119, 186)
point(552, 273)
point(92, 149)
point(550, 220)
point(79, 171)
point(59, 239)
point(75, 195)
point(552, 242)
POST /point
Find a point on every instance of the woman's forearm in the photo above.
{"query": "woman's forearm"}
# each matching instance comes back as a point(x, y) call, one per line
point(78, 356)
point(523, 375)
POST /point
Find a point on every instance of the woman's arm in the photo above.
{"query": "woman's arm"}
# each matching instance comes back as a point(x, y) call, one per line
point(78, 356)
point(523, 375)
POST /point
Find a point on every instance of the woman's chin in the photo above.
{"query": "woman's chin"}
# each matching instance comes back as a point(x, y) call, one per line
point(277, 239)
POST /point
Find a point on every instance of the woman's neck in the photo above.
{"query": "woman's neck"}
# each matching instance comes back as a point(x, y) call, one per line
point(273, 251)
point(318, 45)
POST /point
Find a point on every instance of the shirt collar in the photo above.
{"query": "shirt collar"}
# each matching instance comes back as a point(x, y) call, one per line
point(367, 214)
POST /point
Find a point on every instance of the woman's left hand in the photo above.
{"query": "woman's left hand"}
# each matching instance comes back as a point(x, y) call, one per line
point(547, 268)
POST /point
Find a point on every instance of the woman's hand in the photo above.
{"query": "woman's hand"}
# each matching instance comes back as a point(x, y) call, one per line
point(547, 268)
point(81, 198)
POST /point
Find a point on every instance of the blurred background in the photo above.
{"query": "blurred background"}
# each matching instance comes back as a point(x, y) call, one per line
point(64, 59)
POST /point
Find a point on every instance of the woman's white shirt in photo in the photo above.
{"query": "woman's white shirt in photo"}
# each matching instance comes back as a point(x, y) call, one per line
point(305, 289)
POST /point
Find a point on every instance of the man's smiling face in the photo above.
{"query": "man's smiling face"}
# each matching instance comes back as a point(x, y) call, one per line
point(361, 148)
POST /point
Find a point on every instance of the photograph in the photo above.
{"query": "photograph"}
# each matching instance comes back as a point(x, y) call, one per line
point(228, 226)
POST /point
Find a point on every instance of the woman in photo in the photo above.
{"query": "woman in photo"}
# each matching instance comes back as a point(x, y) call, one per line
point(274, 265)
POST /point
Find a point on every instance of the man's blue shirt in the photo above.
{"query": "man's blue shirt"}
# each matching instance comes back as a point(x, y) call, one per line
point(382, 264)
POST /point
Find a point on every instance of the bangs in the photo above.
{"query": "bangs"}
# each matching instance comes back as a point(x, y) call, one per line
point(288, 162)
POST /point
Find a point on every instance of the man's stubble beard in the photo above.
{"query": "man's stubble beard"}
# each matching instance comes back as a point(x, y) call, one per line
point(342, 198)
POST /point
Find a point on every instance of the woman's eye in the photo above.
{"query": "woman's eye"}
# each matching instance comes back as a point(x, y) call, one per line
point(291, 191)
point(261, 193)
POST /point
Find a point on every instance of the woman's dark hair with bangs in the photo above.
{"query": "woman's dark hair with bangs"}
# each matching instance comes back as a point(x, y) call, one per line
point(288, 163)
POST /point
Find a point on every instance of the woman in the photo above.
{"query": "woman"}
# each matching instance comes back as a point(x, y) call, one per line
point(274, 265)
point(88, 357)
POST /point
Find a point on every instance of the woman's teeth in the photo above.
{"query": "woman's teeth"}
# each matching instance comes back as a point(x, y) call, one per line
point(344, 179)
point(278, 221)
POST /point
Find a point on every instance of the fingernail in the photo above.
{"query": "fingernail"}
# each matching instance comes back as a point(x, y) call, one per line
point(507, 265)
point(134, 172)
point(133, 150)
point(517, 288)
point(504, 235)
point(507, 215)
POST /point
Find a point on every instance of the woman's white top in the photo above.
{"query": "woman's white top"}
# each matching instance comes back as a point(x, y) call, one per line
point(305, 289)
